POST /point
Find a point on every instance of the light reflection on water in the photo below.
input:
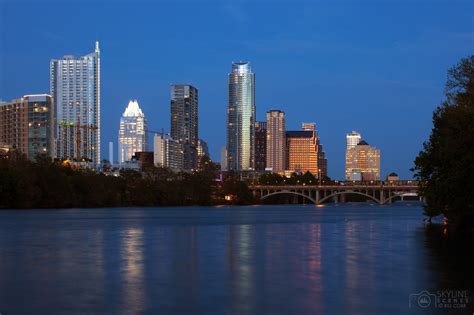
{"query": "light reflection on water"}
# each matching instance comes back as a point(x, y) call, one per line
point(352, 259)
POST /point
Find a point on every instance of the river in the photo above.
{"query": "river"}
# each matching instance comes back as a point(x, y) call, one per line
point(353, 258)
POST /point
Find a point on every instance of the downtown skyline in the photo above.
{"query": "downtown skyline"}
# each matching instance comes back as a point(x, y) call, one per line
point(395, 118)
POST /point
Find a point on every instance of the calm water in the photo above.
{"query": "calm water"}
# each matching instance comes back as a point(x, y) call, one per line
point(336, 259)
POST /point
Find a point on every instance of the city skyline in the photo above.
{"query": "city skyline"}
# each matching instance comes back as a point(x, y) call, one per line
point(401, 92)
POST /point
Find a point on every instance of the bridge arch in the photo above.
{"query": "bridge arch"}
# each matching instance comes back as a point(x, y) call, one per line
point(403, 194)
point(282, 192)
point(349, 193)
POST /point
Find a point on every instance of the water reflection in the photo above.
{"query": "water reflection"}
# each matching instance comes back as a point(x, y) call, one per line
point(274, 259)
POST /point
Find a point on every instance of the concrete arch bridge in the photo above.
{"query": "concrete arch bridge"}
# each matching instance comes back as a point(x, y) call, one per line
point(318, 194)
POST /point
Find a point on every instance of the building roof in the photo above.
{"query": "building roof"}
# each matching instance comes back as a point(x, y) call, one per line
point(133, 110)
point(300, 134)
point(393, 174)
point(362, 142)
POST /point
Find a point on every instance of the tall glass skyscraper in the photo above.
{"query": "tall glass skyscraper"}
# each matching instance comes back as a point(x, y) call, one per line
point(133, 135)
point(241, 118)
point(75, 87)
point(184, 122)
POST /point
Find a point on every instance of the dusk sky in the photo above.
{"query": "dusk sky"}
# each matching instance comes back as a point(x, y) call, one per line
point(378, 67)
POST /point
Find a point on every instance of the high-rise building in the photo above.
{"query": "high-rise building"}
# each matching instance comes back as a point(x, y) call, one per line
point(202, 149)
point(304, 151)
point(224, 167)
point(168, 152)
point(276, 142)
point(352, 139)
point(75, 87)
point(362, 162)
point(111, 152)
point(241, 118)
point(133, 132)
point(260, 145)
point(184, 121)
point(27, 125)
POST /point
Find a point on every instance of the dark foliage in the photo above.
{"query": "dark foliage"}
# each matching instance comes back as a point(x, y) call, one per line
point(47, 184)
point(445, 166)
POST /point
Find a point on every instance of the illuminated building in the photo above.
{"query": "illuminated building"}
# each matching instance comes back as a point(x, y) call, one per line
point(304, 152)
point(202, 149)
point(276, 143)
point(352, 139)
point(241, 118)
point(27, 125)
point(224, 159)
point(75, 87)
point(167, 152)
point(133, 135)
point(260, 145)
point(184, 122)
point(363, 162)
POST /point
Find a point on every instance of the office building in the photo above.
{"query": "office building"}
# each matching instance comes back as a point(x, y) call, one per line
point(304, 152)
point(260, 145)
point(184, 122)
point(27, 125)
point(352, 139)
point(224, 167)
point(133, 132)
point(202, 149)
point(276, 142)
point(363, 162)
point(111, 152)
point(167, 152)
point(241, 118)
point(75, 87)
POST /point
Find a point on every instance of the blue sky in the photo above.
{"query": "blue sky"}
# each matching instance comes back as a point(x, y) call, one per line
point(378, 67)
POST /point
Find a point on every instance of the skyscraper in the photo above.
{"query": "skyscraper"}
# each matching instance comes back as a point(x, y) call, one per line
point(27, 125)
point(133, 135)
point(276, 143)
point(241, 118)
point(184, 121)
point(111, 152)
point(75, 87)
point(167, 152)
point(362, 162)
point(304, 151)
point(352, 139)
point(202, 149)
point(260, 145)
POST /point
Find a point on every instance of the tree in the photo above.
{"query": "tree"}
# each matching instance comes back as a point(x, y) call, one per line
point(445, 166)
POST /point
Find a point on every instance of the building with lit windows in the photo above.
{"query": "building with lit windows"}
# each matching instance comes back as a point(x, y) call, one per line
point(276, 143)
point(75, 88)
point(184, 122)
point(363, 162)
point(202, 149)
point(304, 152)
point(241, 118)
point(352, 139)
point(133, 134)
point(27, 125)
point(167, 152)
point(260, 145)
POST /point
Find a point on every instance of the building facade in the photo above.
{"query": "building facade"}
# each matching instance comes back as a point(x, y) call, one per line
point(184, 122)
point(224, 167)
point(75, 87)
point(304, 151)
point(363, 162)
point(167, 152)
point(260, 145)
point(27, 125)
point(241, 118)
point(133, 132)
point(352, 139)
point(276, 141)
point(203, 149)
